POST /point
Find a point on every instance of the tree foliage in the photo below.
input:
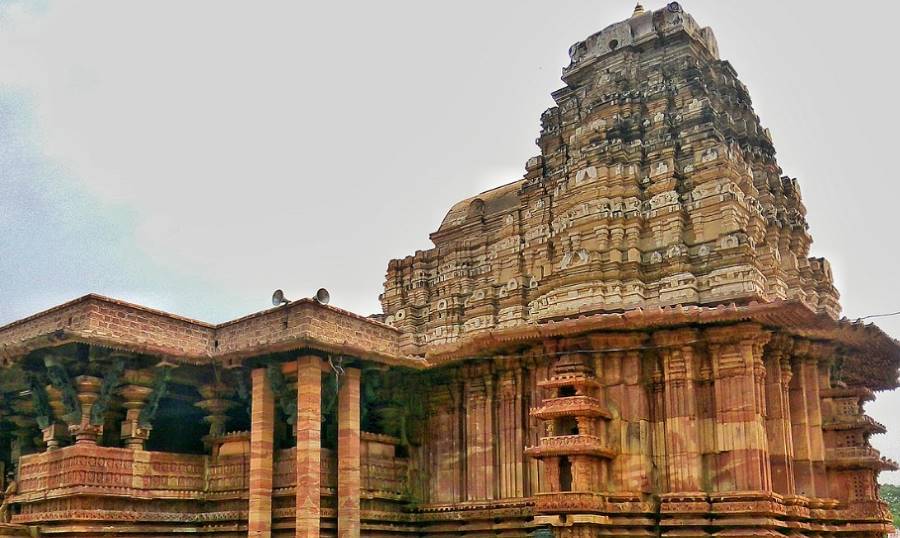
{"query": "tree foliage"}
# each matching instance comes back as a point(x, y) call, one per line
point(891, 495)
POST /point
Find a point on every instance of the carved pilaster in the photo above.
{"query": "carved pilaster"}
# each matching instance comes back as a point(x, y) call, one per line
point(810, 471)
point(736, 353)
point(682, 435)
point(778, 420)
point(480, 464)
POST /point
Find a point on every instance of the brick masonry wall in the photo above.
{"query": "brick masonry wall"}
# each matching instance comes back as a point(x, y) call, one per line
point(120, 325)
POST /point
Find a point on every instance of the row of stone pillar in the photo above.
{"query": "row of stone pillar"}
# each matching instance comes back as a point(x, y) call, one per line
point(767, 432)
point(83, 430)
point(308, 451)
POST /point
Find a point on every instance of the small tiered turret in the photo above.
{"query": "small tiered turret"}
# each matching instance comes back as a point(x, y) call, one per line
point(852, 462)
point(575, 452)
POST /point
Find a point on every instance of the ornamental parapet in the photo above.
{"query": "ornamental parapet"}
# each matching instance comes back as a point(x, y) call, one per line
point(856, 457)
point(571, 501)
point(440, 512)
point(577, 380)
point(110, 472)
point(570, 406)
point(80, 471)
point(567, 445)
point(852, 422)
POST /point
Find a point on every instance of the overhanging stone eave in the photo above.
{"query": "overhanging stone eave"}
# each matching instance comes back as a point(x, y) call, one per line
point(862, 342)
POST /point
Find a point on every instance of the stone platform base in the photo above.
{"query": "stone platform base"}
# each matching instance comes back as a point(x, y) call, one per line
point(9, 531)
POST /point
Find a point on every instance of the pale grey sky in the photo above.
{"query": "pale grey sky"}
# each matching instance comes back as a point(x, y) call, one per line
point(194, 156)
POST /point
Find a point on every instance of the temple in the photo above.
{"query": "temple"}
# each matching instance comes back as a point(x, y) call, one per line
point(629, 340)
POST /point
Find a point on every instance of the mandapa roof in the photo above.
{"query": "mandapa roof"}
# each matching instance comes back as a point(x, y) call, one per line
point(99, 320)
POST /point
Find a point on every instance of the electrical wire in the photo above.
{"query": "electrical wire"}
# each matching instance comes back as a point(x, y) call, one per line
point(879, 315)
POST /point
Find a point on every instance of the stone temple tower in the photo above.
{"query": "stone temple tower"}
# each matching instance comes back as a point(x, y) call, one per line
point(656, 185)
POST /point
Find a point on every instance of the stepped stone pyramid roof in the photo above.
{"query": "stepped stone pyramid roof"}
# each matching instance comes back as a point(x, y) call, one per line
point(656, 185)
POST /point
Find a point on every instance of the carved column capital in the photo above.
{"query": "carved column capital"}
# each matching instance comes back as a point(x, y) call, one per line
point(134, 399)
point(84, 431)
point(780, 344)
point(216, 404)
point(743, 333)
point(54, 432)
point(675, 338)
point(736, 349)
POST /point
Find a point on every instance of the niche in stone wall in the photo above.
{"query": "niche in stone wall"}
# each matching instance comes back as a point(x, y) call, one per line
point(566, 426)
point(565, 474)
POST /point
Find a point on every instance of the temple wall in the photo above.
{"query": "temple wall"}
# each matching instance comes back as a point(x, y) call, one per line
point(717, 422)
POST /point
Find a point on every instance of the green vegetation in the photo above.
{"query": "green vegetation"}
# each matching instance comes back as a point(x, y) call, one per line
point(891, 495)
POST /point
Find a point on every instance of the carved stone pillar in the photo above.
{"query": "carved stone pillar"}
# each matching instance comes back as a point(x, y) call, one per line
point(814, 356)
point(510, 436)
point(620, 373)
point(778, 420)
point(742, 446)
point(216, 404)
point(55, 432)
point(799, 415)
point(349, 479)
point(457, 394)
point(309, 446)
point(22, 437)
point(262, 428)
point(682, 436)
point(810, 473)
point(480, 434)
point(134, 397)
point(88, 388)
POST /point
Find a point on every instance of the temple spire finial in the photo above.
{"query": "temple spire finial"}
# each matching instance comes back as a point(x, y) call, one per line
point(638, 10)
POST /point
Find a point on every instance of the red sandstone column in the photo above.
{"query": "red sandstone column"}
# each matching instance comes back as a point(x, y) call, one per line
point(262, 426)
point(348, 455)
point(799, 415)
point(682, 434)
point(309, 446)
point(814, 408)
point(743, 454)
point(84, 432)
point(135, 398)
point(810, 471)
point(480, 464)
point(778, 421)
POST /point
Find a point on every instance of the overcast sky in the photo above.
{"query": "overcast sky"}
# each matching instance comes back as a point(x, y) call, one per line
point(194, 156)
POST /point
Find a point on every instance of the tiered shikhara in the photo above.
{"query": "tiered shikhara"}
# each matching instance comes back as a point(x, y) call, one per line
point(631, 340)
point(656, 186)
